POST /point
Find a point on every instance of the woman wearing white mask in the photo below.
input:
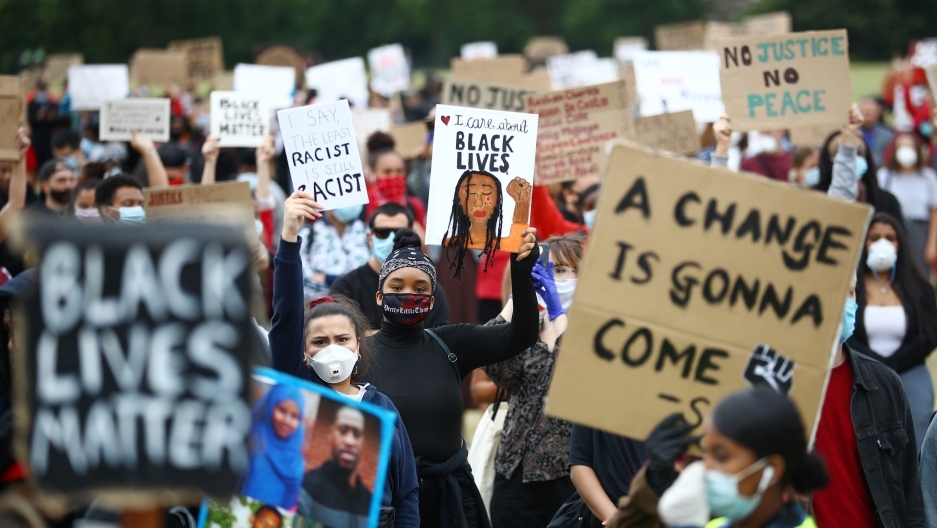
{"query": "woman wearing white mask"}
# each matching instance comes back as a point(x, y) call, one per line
point(915, 185)
point(331, 336)
point(532, 479)
point(754, 468)
point(896, 322)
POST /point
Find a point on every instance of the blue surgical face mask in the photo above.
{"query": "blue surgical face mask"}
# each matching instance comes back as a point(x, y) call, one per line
point(722, 491)
point(381, 248)
point(259, 226)
point(348, 214)
point(812, 176)
point(589, 218)
point(132, 215)
point(86, 147)
point(848, 324)
point(862, 166)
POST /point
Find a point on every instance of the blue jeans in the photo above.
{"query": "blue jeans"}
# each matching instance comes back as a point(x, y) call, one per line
point(920, 390)
point(929, 474)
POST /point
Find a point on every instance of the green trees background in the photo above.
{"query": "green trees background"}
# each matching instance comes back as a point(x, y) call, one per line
point(111, 30)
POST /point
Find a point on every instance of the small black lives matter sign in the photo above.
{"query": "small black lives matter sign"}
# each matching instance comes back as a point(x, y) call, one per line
point(134, 370)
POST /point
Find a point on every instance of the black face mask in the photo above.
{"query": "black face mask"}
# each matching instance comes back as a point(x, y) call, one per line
point(61, 197)
point(406, 309)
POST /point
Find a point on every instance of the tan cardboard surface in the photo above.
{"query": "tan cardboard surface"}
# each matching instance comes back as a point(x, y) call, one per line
point(199, 202)
point(409, 138)
point(810, 136)
point(674, 132)
point(500, 70)
point(283, 56)
point(776, 23)
point(931, 72)
point(478, 94)
point(157, 66)
point(205, 58)
point(670, 305)
point(793, 80)
point(57, 64)
point(10, 107)
point(680, 37)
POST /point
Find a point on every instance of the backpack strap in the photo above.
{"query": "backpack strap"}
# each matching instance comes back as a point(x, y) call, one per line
point(449, 354)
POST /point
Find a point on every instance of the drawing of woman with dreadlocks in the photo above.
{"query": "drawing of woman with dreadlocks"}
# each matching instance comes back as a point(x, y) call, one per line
point(476, 218)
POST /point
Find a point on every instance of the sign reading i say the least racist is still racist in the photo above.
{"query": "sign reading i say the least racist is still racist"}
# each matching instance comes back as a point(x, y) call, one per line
point(323, 155)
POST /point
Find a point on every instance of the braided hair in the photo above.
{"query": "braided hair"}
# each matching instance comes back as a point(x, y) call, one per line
point(460, 225)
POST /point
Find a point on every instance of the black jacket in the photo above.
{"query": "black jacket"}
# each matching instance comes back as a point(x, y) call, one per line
point(884, 430)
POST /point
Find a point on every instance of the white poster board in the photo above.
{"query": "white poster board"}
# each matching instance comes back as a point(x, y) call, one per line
point(275, 84)
point(342, 79)
point(390, 71)
point(148, 117)
point(565, 70)
point(322, 153)
point(671, 81)
point(486, 158)
point(92, 83)
point(626, 47)
point(479, 50)
point(239, 120)
point(367, 122)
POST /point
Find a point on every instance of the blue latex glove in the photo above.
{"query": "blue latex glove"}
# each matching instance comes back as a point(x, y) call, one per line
point(545, 285)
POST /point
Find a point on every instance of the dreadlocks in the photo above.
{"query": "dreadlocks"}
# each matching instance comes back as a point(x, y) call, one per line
point(460, 225)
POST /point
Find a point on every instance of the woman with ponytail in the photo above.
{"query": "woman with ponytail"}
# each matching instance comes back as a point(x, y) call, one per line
point(754, 469)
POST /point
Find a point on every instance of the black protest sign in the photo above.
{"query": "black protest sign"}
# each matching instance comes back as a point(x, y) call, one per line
point(134, 370)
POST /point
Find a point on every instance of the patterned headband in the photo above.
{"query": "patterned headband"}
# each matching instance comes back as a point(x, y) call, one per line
point(407, 257)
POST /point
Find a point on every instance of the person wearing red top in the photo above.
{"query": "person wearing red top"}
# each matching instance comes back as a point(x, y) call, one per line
point(866, 436)
point(773, 161)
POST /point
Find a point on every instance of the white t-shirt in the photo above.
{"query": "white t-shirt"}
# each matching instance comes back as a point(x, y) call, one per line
point(917, 193)
point(886, 327)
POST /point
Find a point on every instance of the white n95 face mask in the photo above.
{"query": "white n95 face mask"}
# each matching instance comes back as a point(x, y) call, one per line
point(334, 363)
point(882, 255)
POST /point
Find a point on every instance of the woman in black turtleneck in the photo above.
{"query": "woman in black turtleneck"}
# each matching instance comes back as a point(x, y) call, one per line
point(423, 380)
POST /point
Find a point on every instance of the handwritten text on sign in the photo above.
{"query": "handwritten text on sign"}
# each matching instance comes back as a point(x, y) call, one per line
point(477, 94)
point(799, 79)
point(323, 154)
point(689, 268)
point(239, 120)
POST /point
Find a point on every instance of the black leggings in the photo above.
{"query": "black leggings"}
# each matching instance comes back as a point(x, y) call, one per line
point(515, 504)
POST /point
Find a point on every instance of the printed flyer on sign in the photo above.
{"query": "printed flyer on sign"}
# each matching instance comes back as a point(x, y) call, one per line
point(323, 155)
point(149, 118)
point(239, 120)
point(483, 173)
point(317, 458)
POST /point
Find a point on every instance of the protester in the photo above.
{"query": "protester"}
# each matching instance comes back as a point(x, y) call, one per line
point(915, 185)
point(896, 322)
point(804, 170)
point(421, 163)
point(175, 160)
point(84, 200)
point(754, 469)
point(387, 181)
point(43, 116)
point(772, 161)
point(155, 173)
point(120, 199)
point(332, 246)
point(572, 197)
point(67, 144)
point(532, 480)
point(332, 334)
point(875, 134)
point(57, 179)
point(361, 284)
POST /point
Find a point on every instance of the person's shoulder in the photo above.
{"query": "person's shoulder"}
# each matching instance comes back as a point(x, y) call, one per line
point(882, 374)
point(930, 174)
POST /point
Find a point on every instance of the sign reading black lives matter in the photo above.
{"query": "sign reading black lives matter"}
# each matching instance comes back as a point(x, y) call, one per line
point(699, 282)
point(134, 365)
point(322, 153)
point(239, 120)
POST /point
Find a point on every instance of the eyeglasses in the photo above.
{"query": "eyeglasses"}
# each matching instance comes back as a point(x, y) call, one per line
point(563, 273)
point(384, 232)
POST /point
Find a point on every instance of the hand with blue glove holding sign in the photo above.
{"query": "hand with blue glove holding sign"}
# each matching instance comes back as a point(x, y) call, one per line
point(545, 286)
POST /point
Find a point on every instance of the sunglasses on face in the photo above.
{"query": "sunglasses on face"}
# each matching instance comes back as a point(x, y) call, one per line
point(384, 232)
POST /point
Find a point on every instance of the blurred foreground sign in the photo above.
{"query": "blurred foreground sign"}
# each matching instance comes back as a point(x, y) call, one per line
point(698, 282)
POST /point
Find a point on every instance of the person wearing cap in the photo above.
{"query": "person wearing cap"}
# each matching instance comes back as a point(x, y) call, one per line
point(57, 179)
point(175, 162)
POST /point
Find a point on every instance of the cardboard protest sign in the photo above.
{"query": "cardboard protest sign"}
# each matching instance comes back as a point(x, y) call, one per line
point(674, 132)
point(11, 104)
point(716, 31)
point(342, 79)
point(539, 49)
point(322, 153)
point(671, 81)
point(477, 94)
point(218, 203)
point(479, 50)
point(333, 478)
point(810, 136)
point(680, 37)
point(409, 138)
point(92, 83)
point(626, 47)
point(161, 67)
point(931, 72)
point(283, 56)
point(497, 70)
point(205, 58)
point(799, 79)
point(239, 120)
point(57, 65)
point(275, 84)
point(698, 282)
point(484, 160)
point(777, 23)
point(148, 117)
point(925, 53)
point(134, 362)
point(390, 70)
point(575, 126)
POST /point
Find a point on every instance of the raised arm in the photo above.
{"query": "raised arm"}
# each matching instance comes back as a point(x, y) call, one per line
point(210, 151)
point(17, 192)
point(845, 182)
point(723, 131)
point(155, 171)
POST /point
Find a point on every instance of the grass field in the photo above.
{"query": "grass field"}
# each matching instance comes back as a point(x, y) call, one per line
point(867, 78)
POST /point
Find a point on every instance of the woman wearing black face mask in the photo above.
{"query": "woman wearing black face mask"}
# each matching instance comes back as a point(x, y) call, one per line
point(421, 372)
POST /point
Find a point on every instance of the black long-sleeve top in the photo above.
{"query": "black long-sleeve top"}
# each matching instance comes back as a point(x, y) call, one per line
point(412, 369)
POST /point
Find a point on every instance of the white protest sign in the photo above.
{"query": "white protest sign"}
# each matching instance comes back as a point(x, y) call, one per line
point(343, 79)
point(671, 81)
point(367, 122)
point(925, 53)
point(239, 120)
point(485, 159)
point(275, 84)
point(565, 69)
point(322, 153)
point(390, 71)
point(92, 83)
point(148, 117)
point(626, 47)
point(479, 50)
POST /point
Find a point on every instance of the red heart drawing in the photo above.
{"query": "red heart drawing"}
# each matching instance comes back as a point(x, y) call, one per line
point(445, 120)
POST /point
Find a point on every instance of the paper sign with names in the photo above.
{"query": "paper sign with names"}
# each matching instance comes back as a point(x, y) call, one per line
point(483, 173)
point(322, 153)
point(149, 118)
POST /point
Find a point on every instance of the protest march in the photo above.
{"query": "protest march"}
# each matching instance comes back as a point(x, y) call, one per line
point(684, 278)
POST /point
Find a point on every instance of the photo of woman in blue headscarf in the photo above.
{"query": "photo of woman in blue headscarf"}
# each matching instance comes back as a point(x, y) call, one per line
point(277, 465)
